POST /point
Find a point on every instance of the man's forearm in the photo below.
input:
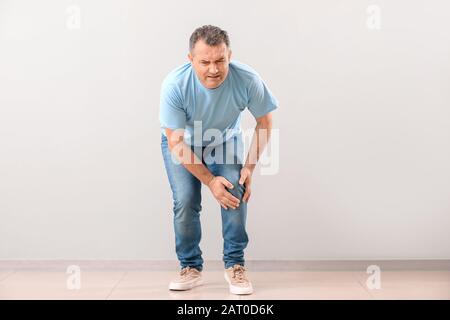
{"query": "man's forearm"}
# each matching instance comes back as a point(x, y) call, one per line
point(260, 139)
point(191, 162)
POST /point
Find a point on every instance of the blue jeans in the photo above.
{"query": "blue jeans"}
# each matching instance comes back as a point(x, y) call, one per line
point(186, 194)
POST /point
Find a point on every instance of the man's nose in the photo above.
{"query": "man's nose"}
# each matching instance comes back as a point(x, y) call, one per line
point(213, 68)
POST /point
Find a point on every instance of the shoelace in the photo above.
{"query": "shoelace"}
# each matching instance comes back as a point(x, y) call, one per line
point(238, 273)
point(184, 271)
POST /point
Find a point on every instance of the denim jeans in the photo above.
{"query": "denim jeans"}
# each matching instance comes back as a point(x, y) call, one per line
point(186, 194)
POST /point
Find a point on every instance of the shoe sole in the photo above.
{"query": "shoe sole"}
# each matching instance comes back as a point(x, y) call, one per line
point(185, 286)
point(238, 290)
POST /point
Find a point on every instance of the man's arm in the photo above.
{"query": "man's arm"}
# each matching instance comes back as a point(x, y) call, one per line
point(188, 159)
point(194, 165)
point(260, 139)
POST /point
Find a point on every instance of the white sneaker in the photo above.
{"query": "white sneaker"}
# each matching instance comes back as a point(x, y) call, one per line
point(237, 280)
point(187, 279)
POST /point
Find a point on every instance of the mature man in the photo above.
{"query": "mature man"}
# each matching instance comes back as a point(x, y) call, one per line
point(201, 100)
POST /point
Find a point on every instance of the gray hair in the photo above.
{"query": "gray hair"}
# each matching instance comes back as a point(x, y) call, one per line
point(212, 36)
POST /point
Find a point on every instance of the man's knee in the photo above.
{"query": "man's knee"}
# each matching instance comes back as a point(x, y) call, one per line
point(237, 190)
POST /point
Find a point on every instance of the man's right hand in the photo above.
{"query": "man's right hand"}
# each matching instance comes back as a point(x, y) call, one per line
point(226, 199)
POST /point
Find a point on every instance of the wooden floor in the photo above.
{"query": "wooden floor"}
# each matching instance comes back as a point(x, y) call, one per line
point(26, 283)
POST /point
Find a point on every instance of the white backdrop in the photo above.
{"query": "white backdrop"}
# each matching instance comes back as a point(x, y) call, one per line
point(364, 124)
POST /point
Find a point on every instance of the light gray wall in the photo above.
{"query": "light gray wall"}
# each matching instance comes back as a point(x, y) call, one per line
point(364, 124)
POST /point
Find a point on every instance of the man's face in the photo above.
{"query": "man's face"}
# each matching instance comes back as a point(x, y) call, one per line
point(210, 63)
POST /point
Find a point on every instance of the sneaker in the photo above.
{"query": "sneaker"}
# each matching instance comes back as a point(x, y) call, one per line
point(237, 280)
point(187, 279)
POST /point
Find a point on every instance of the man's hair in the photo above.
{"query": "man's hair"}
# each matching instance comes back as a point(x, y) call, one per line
point(212, 36)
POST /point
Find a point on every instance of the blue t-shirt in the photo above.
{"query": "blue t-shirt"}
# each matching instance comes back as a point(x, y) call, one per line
point(186, 104)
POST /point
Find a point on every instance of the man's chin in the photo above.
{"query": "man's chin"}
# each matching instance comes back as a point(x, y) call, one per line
point(213, 83)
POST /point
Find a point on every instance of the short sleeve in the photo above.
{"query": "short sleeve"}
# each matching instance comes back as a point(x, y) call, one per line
point(171, 112)
point(260, 100)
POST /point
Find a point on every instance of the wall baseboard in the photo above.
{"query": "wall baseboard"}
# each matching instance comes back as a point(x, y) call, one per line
point(255, 265)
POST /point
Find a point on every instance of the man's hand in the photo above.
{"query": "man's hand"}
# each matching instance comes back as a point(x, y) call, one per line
point(246, 179)
point(226, 199)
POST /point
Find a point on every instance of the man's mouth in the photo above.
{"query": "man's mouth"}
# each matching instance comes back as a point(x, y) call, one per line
point(214, 77)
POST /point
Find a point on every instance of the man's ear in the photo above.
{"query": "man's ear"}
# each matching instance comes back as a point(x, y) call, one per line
point(229, 54)
point(190, 57)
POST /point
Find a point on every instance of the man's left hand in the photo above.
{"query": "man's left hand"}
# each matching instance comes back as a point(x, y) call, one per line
point(246, 180)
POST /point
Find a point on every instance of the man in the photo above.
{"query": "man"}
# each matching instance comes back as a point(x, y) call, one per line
point(202, 99)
